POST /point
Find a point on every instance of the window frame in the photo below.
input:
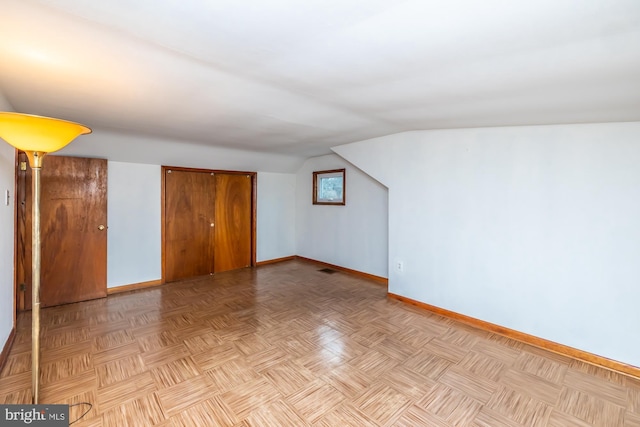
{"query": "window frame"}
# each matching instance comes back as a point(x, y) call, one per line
point(332, 173)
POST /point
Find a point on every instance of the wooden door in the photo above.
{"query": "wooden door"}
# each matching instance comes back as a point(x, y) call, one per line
point(73, 207)
point(208, 221)
point(188, 217)
point(233, 230)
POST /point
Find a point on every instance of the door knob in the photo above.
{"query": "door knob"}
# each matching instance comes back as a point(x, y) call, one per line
point(101, 227)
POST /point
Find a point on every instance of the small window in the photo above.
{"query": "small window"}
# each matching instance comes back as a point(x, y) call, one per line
point(329, 187)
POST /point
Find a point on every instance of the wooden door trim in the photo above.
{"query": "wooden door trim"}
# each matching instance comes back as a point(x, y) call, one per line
point(163, 259)
point(16, 200)
point(181, 168)
point(254, 216)
point(20, 234)
point(254, 219)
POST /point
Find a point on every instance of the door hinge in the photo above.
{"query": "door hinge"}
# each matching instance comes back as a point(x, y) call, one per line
point(23, 166)
point(22, 287)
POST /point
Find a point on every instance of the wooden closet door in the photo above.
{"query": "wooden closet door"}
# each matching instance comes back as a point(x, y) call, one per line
point(233, 229)
point(73, 230)
point(189, 218)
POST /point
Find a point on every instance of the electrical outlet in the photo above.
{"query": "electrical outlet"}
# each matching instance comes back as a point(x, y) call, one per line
point(399, 266)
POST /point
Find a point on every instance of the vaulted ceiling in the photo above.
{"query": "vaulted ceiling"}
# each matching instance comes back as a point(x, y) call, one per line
point(300, 76)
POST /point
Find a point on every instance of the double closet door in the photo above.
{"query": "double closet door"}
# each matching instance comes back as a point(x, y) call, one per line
point(208, 222)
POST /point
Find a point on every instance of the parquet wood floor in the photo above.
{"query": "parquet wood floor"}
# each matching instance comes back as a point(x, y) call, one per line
point(288, 345)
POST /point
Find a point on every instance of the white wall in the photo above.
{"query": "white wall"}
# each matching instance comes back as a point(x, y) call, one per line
point(352, 236)
point(7, 182)
point(134, 216)
point(276, 213)
point(533, 228)
point(120, 147)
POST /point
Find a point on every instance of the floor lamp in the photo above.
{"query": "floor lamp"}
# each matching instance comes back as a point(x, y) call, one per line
point(37, 136)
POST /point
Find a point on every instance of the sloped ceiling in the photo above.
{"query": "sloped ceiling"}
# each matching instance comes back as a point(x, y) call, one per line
point(298, 77)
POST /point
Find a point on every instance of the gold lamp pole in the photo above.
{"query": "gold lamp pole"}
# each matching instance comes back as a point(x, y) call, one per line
point(37, 136)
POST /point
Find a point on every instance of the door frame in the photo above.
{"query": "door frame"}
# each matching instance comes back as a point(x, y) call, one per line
point(16, 200)
point(254, 199)
point(20, 233)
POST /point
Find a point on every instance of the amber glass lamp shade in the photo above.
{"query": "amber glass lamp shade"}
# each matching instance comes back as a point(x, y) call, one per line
point(38, 134)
